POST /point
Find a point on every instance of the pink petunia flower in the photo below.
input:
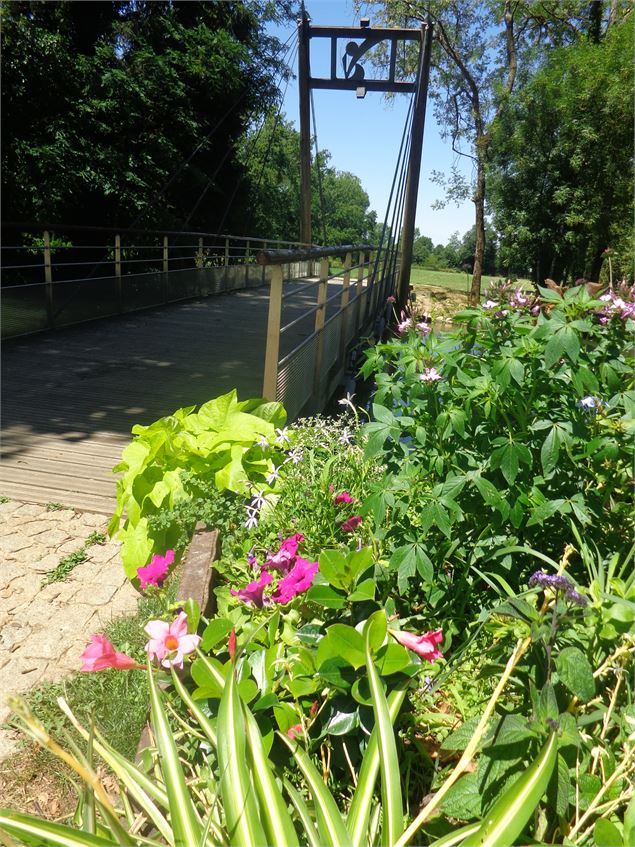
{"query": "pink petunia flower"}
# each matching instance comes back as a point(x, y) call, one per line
point(343, 497)
point(424, 645)
point(299, 579)
point(100, 654)
point(254, 592)
point(351, 524)
point(169, 643)
point(284, 559)
point(156, 572)
point(430, 375)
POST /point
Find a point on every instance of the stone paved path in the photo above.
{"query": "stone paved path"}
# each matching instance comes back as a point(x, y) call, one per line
point(45, 628)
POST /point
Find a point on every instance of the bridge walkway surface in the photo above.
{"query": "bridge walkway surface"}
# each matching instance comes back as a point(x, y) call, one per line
point(70, 398)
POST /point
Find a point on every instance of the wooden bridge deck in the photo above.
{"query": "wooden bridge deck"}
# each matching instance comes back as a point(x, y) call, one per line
point(69, 399)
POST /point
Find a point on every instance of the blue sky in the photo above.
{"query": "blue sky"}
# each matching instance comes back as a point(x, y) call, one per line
point(363, 136)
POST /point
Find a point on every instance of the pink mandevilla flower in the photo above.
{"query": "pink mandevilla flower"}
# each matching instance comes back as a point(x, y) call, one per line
point(343, 497)
point(156, 572)
point(284, 559)
point(100, 654)
point(430, 375)
point(299, 579)
point(295, 731)
point(254, 592)
point(169, 643)
point(352, 523)
point(424, 645)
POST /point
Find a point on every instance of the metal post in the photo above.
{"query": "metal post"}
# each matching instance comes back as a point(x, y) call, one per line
point(320, 317)
point(247, 265)
point(226, 272)
point(165, 268)
point(199, 254)
point(414, 164)
point(272, 350)
point(118, 284)
point(344, 322)
point(264, 267)
point(304, 73)
point(48, 279)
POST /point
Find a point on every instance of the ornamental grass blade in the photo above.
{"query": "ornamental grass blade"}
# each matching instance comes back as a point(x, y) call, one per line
point(140, 787)
point(240, 805)
point(203, 721)
point(276, 819)
point(33, 831)
point(185, 823)
point(457, 835)
point(333, 832)
point(392, 804)
point(308, 824)
point(361, 804)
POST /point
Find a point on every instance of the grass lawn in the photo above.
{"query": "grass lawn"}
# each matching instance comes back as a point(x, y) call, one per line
point(444, 279)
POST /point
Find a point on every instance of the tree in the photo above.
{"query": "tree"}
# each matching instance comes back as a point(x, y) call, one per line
point(482, 49)
point(562, 161)
point(122, 112)
point(421, 248)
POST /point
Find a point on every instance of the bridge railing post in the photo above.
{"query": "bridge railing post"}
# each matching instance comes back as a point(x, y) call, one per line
point(264, 267)
point(247, 252)
point(118, 283)
point(344, 299)
point(272, 349)
point(320, 317)
point(226, 265)
point(199, 254)
point(48, 279)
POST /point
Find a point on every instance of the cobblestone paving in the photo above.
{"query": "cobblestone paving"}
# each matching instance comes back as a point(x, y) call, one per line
point(44, 628)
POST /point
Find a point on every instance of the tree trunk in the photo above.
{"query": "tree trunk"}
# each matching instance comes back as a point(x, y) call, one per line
point(479, 250)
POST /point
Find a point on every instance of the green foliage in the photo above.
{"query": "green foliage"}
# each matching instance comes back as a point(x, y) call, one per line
point(227, 443)
point(561, 162)
point(104, 106)
point(500, 450)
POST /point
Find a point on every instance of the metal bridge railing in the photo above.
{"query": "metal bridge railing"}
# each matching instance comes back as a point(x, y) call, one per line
point(60, 275)
point(306, 353)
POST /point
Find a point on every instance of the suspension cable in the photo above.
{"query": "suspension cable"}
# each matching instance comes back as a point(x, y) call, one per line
point(319, 172)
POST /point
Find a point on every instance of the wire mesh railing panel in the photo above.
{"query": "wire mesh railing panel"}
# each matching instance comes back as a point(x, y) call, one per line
point(142, 291)
point(294, 386)
point(332, 336)
point(75, 302)
point(23, 310)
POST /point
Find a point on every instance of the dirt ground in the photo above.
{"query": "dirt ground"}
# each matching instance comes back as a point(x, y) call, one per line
point(439, 303)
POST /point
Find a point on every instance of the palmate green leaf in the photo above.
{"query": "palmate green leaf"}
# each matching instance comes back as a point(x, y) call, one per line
point(239, 798)
point(40, 833)
point(392, 803)
point(185, 822)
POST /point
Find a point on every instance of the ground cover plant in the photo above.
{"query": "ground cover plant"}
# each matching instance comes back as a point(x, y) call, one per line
point(425, 620)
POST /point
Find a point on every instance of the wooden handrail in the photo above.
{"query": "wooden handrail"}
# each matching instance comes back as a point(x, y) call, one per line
point(282, 257)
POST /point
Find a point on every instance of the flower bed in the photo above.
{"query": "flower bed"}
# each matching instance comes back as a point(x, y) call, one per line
point(423, 623)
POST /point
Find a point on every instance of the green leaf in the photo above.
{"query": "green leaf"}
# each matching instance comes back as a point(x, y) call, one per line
point(343, 642)
point(392, 804)
point(216, 631)
point(341, 723)
point(40, 833)
point(550, 450)
point(576, 673)
point(392, 658)
point(326, 596)
point(239, 799)
point(364, 591)
point(185, 823)
point(463, 800)
point(545, 510)
point(606, 834)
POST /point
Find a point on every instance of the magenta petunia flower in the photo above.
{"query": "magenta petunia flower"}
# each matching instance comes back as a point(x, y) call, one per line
point(169, 643)
point(343, 497)
point(351, 524)
point(424, 645)
point(284, 559)
point(299, 579)
point(156, 572)
point(100, 654)
point(254, 592)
